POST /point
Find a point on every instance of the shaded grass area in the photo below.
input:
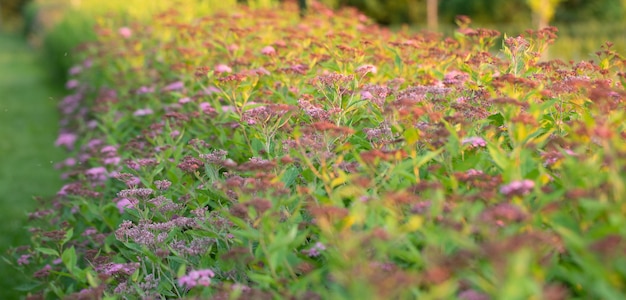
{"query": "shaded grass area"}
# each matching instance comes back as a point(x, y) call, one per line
point(28, 128)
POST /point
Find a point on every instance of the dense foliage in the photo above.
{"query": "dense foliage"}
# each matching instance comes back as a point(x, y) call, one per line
point(254, 155)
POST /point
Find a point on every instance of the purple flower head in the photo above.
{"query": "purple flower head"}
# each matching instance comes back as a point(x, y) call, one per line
point(518, 187)
point(72, 84)
point(90, 231)
point(232, 48)
point(174, 86)
point(92, 124)
point(145, 90)
point(315, 250)
point(474, 172)
point(184, 100)
point(93, 143)
point(474, 142)
point(97, 174)
point(268, 50)
point(163, 184)
point(70, 161)
point(222, 68)
point(143, 112)
point(23, 260)
point(472, 295)
point(132, 182)
point(67, 140)
point(141, 193)
point(207, 108)
point(123, 204)
point(364, 69)
point(260, 71)
point(64, 189)
point(455, 78)
point(109, 150)
point(75, 70)
point(210, 91)
point(125, 32)
point(196, 277)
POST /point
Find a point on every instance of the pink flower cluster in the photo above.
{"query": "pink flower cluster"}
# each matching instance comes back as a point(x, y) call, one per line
point(474, 142)
point(315, 250)
point(517, 188)
point(196, 277)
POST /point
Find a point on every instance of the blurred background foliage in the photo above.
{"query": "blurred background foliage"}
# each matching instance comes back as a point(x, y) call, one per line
point(59, 26)
point(584, 24)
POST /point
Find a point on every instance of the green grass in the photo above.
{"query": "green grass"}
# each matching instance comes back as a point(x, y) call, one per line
point(28, 128)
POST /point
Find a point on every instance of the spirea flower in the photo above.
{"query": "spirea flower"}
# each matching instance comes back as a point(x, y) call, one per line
point(196, 277)
point(163, 184)
point(67, 140)
point(145, 90)
point(222, 68)
point(519, 187)
point(125, 32)
point(97, 174)
point(315, 250)
point(72, 84)
point(364, 69)
point(75, 70)
point(143, 112)
point(23, 260)
point(123, 204)
point(474, 142)
point(174, 86)
point(268, 50)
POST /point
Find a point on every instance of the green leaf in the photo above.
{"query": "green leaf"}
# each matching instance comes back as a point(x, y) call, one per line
point(411, 135)
point(496, 119)
point(264, 281)
point(68, 236)
point(290, 175)
point(47, 251)
point(92, 279)
point(69, 258)
point(498, 156)
point(426, 158)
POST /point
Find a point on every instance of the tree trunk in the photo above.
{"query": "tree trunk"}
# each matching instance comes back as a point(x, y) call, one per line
point(431, 14)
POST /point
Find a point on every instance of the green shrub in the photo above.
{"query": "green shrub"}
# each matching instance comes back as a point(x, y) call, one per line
point(251, 154)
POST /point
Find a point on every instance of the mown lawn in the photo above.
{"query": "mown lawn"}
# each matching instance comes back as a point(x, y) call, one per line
point(28, 129)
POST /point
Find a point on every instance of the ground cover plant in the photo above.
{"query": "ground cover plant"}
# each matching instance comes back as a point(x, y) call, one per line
point(252, 154)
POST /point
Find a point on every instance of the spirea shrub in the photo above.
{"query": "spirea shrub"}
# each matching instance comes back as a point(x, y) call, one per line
point(256, 155)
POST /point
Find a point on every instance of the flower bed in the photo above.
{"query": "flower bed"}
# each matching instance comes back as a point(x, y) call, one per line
point(255, 155)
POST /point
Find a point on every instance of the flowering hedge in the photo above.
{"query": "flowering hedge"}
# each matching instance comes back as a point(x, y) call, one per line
point(254, 155)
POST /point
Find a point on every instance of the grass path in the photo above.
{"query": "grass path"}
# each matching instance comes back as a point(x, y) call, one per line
point(28, 128)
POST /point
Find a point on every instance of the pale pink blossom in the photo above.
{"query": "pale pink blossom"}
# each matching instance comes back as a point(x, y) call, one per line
point(124, 204)
point(72, 84)
point(125, 32)
point(268, 50)
point(145, 90)
point(174, 86)
point(143, 112)
point(206, 108)
point(474, 142)
point(222, 68)
point(196, 277)
point(519, 187)
point(364, 69)
point(75, 70)
point(67, 140)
